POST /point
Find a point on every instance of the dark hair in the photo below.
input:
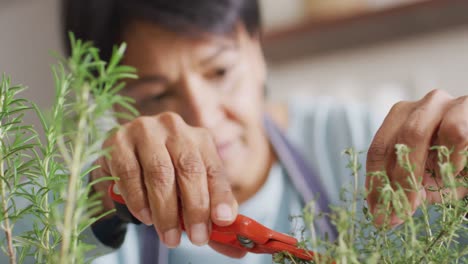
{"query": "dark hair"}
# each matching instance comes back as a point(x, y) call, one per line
point(102, 21)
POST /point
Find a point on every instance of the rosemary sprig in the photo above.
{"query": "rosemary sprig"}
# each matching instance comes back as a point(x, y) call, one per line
point(433, 234)
point(49, 176)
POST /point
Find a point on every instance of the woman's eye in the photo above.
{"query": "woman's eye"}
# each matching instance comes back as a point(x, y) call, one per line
point(218, 73)
point(158, 97)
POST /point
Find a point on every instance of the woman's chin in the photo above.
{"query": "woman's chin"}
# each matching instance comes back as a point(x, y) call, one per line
point(236, 168)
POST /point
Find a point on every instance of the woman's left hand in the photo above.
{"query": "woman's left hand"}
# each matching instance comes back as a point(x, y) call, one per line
point(437, 119)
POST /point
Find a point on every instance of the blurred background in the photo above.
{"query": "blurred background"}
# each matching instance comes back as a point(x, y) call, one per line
point(374, 51)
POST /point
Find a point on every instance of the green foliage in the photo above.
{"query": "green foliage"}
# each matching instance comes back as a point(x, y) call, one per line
point(43, 182)
point(434, 234)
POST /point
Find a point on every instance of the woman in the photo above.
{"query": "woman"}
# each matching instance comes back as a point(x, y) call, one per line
point(209, 144)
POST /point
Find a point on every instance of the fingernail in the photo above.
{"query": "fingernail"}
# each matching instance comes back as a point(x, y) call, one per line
point(146, 217)
point(172, 238)
point(224, 212)
point(199, 234)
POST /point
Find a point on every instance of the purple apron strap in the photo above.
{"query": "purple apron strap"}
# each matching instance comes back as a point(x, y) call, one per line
point(152, 251)
point(303, 177)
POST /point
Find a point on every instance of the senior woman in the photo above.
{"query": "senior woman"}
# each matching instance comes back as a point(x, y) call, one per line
point(209, 144)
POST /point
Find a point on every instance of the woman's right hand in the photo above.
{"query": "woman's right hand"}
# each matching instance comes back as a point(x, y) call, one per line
point(164, 164)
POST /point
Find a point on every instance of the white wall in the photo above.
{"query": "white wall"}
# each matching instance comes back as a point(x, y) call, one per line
point(381, 73)
point(29, 32)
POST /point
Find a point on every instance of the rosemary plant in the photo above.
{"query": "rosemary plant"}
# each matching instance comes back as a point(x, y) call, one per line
point(434, 234)
point(16, 142)
point(43, 182)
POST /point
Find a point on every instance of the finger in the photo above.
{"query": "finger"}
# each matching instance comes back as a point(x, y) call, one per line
point(380, 155)
point(223, 204)
point(159, 179)
point(124, 165)
point(193, 188)
point(102, 187)
point(227, 250)
point(431, 179)
point(417, 133)
point(453, 133)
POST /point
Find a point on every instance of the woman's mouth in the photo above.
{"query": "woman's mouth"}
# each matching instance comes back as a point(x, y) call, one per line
point(223, 149)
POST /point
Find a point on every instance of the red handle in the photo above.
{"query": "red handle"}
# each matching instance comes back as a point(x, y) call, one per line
point(265, 240)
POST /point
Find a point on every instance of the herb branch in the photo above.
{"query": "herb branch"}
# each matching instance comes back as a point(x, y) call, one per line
point(43, 182)
point(434, 233)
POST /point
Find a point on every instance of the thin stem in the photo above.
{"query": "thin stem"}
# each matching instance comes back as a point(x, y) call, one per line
point(70, 206)
point(291, 258)
point(424, 209)
point(6, 225)
point(355, 168)
point(46, 234)
point(75, 171)
point(426, 251)
point(414, 182)
point(313, 232)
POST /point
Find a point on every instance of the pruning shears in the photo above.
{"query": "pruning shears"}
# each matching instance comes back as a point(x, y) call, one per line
point(244, 233)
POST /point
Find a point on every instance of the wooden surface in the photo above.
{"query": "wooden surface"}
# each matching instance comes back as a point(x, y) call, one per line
point(313, 37)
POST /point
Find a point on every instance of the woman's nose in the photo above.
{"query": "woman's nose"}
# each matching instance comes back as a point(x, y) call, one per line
point(202, 107)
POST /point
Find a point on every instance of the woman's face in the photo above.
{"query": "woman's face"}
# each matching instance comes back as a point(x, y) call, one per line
point(215, 82)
